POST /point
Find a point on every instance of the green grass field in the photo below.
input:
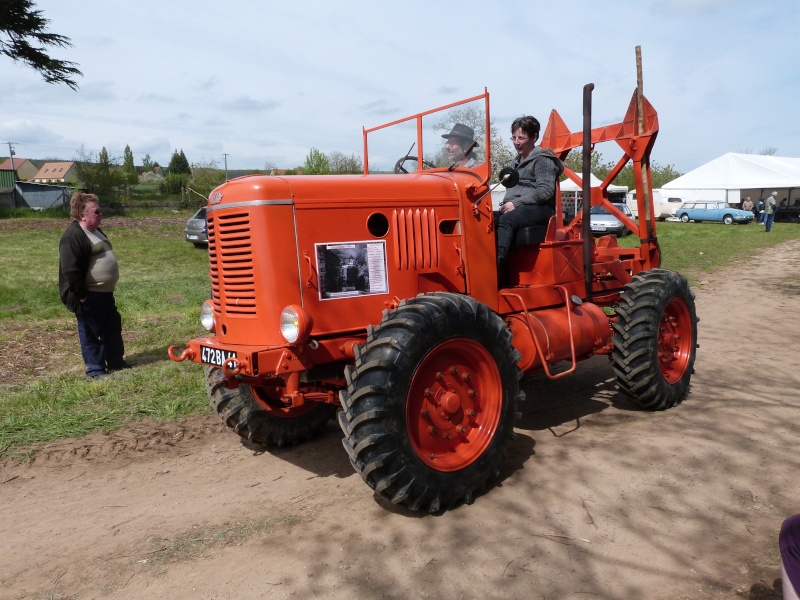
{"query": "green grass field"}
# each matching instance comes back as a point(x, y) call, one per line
point(43, 392)
point(697, 248)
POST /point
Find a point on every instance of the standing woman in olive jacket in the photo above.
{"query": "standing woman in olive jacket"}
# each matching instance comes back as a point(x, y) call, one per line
point(87, 275)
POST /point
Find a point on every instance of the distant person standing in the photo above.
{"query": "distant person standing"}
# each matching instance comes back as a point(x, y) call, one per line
point(770, 208)
point(760, 211)
point(747, 204)
point(87, 275)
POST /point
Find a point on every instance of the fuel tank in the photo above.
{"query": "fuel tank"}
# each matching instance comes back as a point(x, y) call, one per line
point(545, 337)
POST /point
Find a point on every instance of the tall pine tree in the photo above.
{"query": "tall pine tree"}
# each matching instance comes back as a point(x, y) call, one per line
point(178, 164)
point(128, 168)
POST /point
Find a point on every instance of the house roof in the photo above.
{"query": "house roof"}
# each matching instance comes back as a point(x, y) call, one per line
point(54, 170)
point(734, 171)
point(6, 164)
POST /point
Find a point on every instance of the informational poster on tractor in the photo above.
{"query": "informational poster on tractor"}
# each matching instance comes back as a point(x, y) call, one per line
point(350, 269)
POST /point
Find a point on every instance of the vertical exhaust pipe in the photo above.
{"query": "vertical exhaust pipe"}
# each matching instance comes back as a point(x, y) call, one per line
point(587, 189)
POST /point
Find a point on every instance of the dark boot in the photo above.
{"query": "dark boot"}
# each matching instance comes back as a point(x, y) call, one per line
point(502, 272)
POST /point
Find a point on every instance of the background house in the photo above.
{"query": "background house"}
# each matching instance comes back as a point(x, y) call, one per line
point(56, 172)
point(26, 169)
point(18, 188)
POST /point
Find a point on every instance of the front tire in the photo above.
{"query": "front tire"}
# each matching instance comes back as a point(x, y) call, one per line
point(727, 219)
point(655, 339)
point(431, 401)
point(258, 416)
point(685, 218)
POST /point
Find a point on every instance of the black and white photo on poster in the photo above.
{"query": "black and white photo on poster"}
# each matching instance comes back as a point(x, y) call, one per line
point(349, 269)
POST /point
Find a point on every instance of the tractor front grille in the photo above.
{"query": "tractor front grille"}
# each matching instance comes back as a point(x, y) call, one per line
point(231, 263)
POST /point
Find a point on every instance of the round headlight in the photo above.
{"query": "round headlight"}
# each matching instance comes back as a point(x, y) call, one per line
point(295, 324)
point(207, 316)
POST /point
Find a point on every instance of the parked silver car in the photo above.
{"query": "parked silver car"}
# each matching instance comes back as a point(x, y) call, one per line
point(197, 229)
point(604, 223)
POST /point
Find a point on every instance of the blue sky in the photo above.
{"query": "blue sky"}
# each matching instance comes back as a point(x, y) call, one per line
point(264, 81)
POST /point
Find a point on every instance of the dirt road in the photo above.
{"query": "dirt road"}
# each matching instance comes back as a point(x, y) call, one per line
point(596, 500)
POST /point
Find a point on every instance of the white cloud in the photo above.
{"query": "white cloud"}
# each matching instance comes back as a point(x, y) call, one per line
point(246, 104)
point(25, 132)
point(211, 146)
point(698, 6)
point(151, 146)
point(156, 99)
point(378, 107)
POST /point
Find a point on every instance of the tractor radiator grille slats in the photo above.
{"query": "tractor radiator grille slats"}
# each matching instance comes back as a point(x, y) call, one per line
point(417, 246)
point(231, 263)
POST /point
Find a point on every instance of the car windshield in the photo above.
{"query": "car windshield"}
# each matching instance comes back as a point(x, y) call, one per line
point(601, 210)
point(420, 142)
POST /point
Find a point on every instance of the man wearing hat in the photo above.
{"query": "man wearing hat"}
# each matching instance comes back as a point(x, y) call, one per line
point(459, 146)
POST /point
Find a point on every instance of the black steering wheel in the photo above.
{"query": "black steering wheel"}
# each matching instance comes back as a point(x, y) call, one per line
point(399, 168)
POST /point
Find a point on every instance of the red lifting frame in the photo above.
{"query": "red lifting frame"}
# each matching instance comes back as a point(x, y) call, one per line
point(635, 136)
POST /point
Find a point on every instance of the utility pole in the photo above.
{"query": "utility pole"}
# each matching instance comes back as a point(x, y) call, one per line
point(225, 157)
point(13, 174)
point(11, 153)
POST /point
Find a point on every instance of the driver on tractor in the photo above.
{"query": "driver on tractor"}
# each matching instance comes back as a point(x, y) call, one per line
point(532, 200)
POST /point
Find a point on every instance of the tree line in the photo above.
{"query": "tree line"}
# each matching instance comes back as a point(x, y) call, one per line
point(332, 163)
point(104, 174)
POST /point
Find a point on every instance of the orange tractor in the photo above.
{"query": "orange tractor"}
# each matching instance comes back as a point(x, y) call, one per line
point(377, 296)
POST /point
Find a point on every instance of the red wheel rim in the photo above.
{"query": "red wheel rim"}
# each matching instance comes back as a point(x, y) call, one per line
point(269, 398)
point(454, 405)
point(675, 340)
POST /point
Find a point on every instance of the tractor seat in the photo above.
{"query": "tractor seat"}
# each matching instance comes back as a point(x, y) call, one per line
point(530, 234)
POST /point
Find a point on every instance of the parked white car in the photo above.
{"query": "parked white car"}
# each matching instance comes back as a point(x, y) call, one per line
point(604, 223)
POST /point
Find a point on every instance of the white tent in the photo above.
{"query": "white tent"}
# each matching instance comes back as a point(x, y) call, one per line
point(732, 177)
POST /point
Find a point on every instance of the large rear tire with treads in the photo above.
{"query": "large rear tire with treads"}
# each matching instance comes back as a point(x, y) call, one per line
point(431, 401)
point(655, 339)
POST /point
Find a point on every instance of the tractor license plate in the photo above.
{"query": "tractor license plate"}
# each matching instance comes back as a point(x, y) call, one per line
point(215, 356)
